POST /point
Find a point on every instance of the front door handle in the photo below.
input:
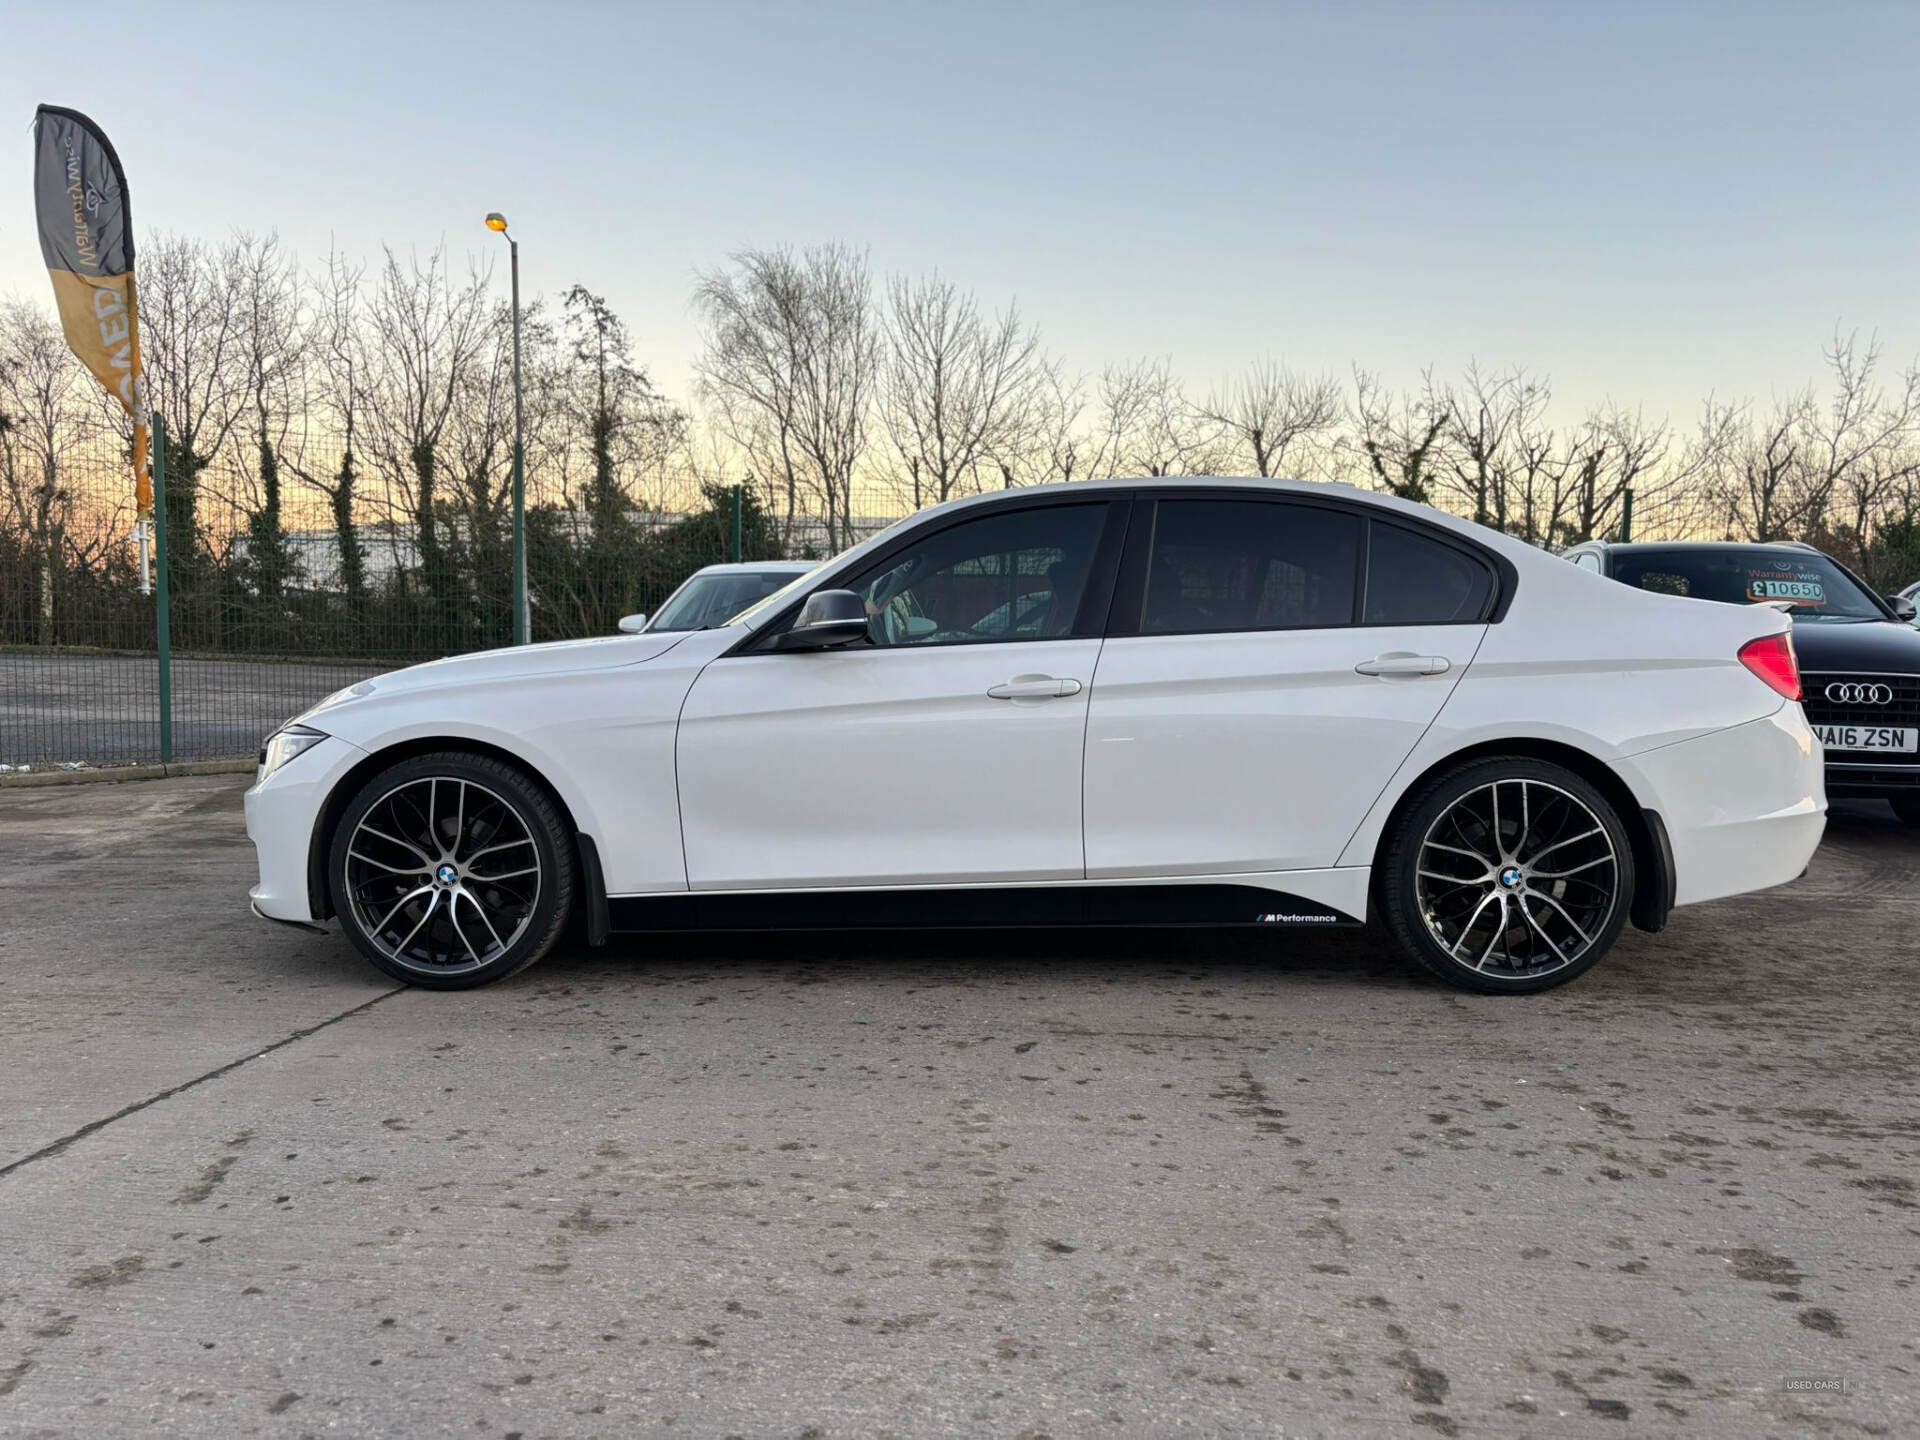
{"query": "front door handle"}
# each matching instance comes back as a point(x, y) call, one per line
point(1400, 663)
point(1034, 687)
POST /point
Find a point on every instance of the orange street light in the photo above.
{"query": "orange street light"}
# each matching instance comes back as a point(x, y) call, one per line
point(497, 223)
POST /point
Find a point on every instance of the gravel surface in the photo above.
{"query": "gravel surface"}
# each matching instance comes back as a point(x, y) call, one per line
point(998, 1184)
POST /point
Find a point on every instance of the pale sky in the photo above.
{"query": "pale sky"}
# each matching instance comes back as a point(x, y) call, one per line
point(1647, 202)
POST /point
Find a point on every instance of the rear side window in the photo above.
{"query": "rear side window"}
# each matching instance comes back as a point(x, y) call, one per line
point(1414, 580)
point(1249, 565)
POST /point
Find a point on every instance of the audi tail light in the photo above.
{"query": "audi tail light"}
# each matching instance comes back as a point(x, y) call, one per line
point(1771, 657)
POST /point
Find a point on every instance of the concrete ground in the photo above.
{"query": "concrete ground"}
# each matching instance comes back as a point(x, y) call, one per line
point(105, 709)
point(996, 1184)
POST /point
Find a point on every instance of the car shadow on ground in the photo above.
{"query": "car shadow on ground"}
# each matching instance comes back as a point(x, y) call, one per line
point(1348, 959)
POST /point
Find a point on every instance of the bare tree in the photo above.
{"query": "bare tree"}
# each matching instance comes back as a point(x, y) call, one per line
point(1275, 415)
point(43, 415)
point(1865, 439)
point(1050, 445)
point(191, 325)
point(1762, 476)
point(1506, 465)
point(426, 334)
point(1498, 449)
point(789, 360)
point(1802, 465)
point(1145, 425)
point(330, 410)
point(631, 434)
point(1398, 440)
point(271, 339)
point(1615, 453)
point(632, 431)
point(957, 388)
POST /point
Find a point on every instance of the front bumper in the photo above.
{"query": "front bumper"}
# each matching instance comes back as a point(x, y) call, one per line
point(1867, 781)
point(281, 811)
point(305, 925)
point(1744, 807)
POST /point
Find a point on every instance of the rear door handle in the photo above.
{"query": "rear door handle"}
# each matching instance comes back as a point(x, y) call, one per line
point(1034, 687)
point(1399, 663)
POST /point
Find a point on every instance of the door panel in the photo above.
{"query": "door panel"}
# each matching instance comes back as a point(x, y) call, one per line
point(1216, 754)
point(878, 766)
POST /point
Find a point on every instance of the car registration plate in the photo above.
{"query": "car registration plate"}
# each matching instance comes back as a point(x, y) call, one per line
point(1868, 737)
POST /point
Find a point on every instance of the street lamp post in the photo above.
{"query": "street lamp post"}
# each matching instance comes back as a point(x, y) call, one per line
point(497, 223)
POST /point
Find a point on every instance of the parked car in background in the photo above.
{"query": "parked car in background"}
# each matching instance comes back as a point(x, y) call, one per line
point(715, 594)
point(1859, 654)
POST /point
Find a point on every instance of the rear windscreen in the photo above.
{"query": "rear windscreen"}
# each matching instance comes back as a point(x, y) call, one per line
point(1812, 584)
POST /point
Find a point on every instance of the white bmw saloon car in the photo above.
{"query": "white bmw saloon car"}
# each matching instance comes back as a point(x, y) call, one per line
point(1151, 702)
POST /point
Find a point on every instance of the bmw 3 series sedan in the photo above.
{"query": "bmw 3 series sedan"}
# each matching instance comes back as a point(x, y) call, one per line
point(1153, 702)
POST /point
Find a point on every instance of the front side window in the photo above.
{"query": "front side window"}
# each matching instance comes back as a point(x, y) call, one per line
point(1018, 575)
point(1224, 565)
point(1413, 579)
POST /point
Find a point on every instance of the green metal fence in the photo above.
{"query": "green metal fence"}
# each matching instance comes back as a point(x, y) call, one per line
point(252, 611)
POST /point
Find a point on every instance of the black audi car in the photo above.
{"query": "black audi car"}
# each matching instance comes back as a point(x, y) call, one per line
point(1859, 654)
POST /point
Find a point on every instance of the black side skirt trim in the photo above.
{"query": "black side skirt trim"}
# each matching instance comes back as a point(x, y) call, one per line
point(1001, 906)
point(594, 880)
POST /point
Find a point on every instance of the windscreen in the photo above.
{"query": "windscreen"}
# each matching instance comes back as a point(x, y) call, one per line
point(1815, 586)
point(707, 601)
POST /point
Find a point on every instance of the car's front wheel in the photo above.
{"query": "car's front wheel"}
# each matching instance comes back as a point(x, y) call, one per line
point(1507, 875)
point(452, 870)
point(1906, 804)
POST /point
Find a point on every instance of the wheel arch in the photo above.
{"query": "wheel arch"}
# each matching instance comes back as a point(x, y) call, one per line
point(1653, 875)
point(327, 820)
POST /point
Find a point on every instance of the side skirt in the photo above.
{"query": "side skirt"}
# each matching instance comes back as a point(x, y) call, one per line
point(943, 907)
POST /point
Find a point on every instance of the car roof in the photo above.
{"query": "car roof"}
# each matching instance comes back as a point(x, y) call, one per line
point(1638, 547)
point(761, 567)
point(1337, 489)
point(1509, 549)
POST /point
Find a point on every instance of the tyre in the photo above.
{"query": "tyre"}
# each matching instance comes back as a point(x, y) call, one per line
point(1507, 876)
point(1906, 804)
point(452, 870)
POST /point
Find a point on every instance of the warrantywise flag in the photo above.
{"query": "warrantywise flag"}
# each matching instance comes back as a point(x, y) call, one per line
point(86, 236)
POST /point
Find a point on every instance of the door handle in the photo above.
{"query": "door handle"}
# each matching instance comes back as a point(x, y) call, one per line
point(1034, 687)
point(1400, 663)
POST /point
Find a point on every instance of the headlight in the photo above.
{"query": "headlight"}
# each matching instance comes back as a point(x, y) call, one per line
point(284, 745)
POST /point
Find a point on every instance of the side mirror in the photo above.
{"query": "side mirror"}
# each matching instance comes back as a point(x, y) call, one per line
point(632, 624)
point(1902, 607)
point(828, 618)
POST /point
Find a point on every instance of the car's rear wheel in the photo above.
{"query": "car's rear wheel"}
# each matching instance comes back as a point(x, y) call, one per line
point(1906, 804)
point(452, 870)
point(1508, 875)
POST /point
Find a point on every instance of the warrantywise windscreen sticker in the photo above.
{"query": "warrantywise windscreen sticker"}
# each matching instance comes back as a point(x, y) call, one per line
point(1802, 587)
